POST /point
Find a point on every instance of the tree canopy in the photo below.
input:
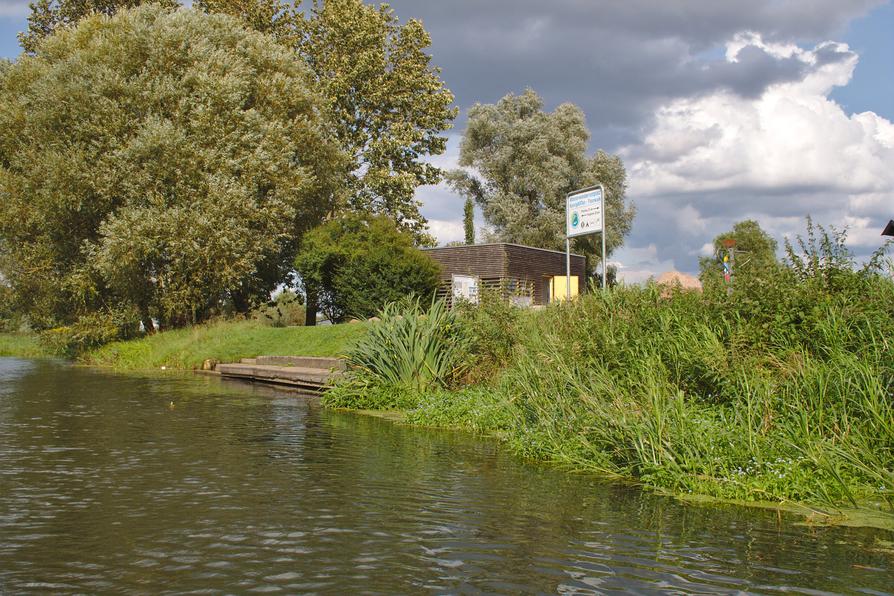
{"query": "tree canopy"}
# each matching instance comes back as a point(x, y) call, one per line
point(388, 103)
point(48, 15)
point(354, 265)
point(519, 163)
point(280, 19)
point(166, 162)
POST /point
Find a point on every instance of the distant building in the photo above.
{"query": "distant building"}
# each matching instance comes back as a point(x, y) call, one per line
point(523, 274)
point(889, 229)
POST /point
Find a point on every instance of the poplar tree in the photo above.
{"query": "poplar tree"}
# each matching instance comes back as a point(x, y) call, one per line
point(469, 221)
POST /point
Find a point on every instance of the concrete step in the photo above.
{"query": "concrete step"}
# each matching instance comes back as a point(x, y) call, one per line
point(299, 376)
point(336, 364)
point(249, 361)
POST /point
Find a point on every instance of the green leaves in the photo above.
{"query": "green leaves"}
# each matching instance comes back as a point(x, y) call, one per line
point(357, 264)
point(408, 352)
point(389, 104)
point(167, 161)
point(49, 15)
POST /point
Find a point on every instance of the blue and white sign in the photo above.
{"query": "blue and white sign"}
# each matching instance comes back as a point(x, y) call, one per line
point(583, 212)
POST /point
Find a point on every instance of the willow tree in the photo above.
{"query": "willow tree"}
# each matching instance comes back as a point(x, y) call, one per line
point(169, 162)
point(388, 103)
point(48, 15)
point(518, 163)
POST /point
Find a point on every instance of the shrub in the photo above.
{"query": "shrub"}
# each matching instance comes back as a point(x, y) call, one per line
point(91, 331)
point(286, 310)
point(355, 265)
point(494, 329)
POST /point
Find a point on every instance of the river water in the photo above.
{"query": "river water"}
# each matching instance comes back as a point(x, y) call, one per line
point(112, 483)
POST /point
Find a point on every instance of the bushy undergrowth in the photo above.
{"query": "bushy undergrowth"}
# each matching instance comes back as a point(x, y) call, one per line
point(494, 326)
point(287, 310)
point(91, 331)
point(692, 394)
point(782, 391)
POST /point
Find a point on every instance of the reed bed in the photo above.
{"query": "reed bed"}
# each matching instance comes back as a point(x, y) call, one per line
point(783, 391)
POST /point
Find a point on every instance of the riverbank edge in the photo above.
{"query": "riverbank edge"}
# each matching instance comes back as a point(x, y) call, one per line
point(811, 514)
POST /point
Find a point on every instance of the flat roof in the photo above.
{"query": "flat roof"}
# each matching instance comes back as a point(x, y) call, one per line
point(459, 246)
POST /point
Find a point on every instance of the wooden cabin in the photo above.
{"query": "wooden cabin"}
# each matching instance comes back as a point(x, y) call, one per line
point(526, 275)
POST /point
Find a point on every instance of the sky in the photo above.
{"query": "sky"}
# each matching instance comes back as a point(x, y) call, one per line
point(721, 111)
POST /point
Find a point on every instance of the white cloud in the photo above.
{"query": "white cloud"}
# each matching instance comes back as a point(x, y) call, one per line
point(789, 152)
point(793, 136)
point(637, 264)
point(446, 230)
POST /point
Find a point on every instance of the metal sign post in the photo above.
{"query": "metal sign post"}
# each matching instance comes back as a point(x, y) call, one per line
point(584, 214)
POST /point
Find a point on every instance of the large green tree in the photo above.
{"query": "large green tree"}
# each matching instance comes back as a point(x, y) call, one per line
point(352, 266)
point(48, 15)
point(165, 161)
point(518, 163)
point(388, 102)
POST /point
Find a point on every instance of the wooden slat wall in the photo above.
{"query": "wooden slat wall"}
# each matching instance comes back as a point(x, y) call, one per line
point(500, 266)
point(537, 266)
point(479, 260)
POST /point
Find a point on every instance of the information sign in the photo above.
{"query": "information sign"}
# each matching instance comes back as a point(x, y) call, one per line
point(583, 212)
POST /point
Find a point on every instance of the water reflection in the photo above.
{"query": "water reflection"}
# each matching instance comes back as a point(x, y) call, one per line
point(181, 483)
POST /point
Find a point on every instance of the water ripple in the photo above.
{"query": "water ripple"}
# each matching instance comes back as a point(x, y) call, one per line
point(104, 488)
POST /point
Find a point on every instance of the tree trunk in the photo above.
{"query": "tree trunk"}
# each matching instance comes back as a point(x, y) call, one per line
point(310, 308)
point(148, 323)
point(240, 304)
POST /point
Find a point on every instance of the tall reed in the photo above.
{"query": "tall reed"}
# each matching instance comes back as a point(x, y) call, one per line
point(410, 350)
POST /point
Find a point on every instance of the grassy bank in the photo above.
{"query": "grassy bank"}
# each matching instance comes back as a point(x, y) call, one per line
point(21, 346)
point(225, 341)
point(783, 392)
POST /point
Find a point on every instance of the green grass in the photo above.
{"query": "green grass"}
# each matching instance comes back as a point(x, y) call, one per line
point(21, 346)
point(225, 341)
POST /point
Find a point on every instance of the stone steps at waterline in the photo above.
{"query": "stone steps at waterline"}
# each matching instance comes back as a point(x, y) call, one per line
point(304, 372)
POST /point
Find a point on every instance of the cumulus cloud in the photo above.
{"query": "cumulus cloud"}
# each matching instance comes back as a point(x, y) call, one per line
point(791, 137)
point(617, 60)
point(710, 160)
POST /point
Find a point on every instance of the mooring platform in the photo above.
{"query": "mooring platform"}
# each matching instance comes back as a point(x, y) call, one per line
point(305, 372)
